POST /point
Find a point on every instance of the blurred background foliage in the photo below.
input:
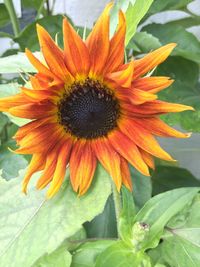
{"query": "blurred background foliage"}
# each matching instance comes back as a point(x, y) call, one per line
point(158, 27)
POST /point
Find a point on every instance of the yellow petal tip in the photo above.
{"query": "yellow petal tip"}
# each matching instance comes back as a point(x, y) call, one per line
point(187, 135)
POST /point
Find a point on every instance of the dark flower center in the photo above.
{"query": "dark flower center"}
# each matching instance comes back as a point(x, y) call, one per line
point(90, 110)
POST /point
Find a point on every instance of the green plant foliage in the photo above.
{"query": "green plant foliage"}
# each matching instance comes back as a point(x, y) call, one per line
point(127, 216)
point(166, 178)
point(160, 209)
point(143, 42)
point(9, 89)
point(180, 246)
point(142, 188)
point(185, 90)
point(28, 37)
point(10, 163)
point(104, 225)
point(188, 45)
point(134, 14)
point(15, 64)
point(36, 4)
point(187, 22)
point(5, 19)
point(3, 122)
point(160, 5)
point(60, 257)
point(49, 222)
point(87, 253)
point(133, 9)
point(118, 255)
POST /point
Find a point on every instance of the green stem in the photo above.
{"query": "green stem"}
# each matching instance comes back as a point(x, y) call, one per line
point(48, 8)
point(13, 17)
point(118, 204)
point(40, 9)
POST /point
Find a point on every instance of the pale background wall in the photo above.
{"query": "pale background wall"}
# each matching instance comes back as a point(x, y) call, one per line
point(85, 12)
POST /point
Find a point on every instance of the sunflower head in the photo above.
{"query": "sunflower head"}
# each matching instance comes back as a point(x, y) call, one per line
point(88, 106)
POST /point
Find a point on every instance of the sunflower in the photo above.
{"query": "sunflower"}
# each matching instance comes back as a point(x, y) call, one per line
point(88, 106)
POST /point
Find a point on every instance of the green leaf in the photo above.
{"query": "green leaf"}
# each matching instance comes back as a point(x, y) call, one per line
point(142, 188)
point(119, 4)
point(9, 89)
point(134, 10)
point(127, 216)
point(15, 64)
point(28, 37)
point(5, 19)
point(188, 45)
point(35, 226)
point(166, 178)
point(181, 242)
point(187, 22)
point(60, 257)
point(143, 42)
point(36, 4)
point(118, 255)
point(160, 209)
point(10, 163)
point(86, 254)
point(3, 121)
point(5, 34)
point(180, 252)
point(134, 14)
point(104, 225)
point(186, 151)
point(184, 90)
point(160, 5)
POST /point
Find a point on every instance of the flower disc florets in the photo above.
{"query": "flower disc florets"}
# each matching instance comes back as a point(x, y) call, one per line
point(89, 109)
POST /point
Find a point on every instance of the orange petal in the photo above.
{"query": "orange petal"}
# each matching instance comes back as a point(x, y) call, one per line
point(123, 77)
point(116, 52)
point(126, 175)
point(163, 107)
point(53, 55)
point(43, 138)
point(148, 158)
point(127, 149)
point(37, 84)
point(39, 95)
point(152, 84)
point(36, 164)
point(139, 97)
point(155, 107)
point(38, 134)
point(76, 52)
point(143, 139)
point(135, 96)
point(39, 66)
point(60, 170)
point(109, 158)
point(49, 169)
point(8, 102)
point(98, 42)
point(82, 166)
point(153, 59)
point(33, 111)
point(25, 129)
point(157, 127)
